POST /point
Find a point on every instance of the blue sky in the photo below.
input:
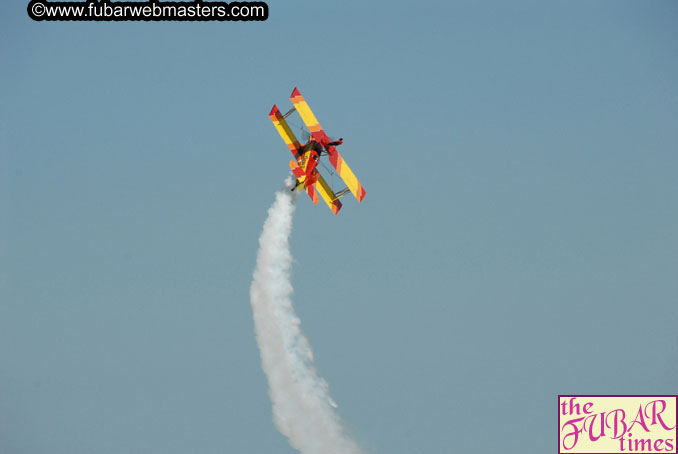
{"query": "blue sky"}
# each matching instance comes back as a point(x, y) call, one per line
point(517, 240)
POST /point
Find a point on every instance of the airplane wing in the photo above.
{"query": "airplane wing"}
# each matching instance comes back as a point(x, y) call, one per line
point(319, 134)
point(285, 132)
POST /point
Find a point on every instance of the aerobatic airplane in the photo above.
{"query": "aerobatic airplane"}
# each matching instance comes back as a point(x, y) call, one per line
point(306, 156)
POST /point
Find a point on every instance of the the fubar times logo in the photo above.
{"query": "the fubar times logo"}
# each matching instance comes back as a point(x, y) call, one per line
point(617, 424)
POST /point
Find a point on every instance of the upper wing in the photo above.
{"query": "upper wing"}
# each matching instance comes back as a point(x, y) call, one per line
point(319, 134)
point(285, 132)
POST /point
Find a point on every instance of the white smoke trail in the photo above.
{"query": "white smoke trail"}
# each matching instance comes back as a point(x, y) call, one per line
point(302, 407)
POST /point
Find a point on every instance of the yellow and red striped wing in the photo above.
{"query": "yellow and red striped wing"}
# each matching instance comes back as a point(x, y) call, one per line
point(319, 134)
point(285, 132)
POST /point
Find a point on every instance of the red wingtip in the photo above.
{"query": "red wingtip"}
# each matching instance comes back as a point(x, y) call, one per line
point(361, 193)
point(295, 93)
point(274, 111)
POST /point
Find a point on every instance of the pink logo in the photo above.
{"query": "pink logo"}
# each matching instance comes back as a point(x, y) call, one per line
point(617, 424)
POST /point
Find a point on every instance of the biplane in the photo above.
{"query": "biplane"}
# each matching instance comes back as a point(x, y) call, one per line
point(307, 156)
